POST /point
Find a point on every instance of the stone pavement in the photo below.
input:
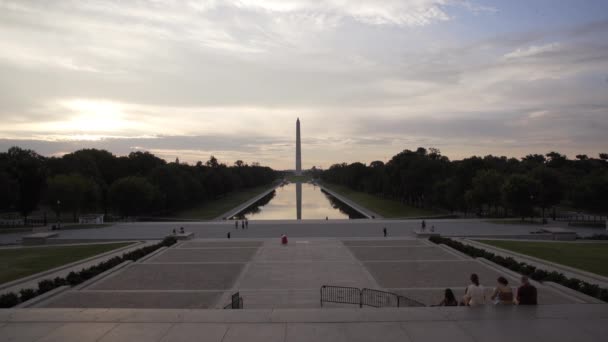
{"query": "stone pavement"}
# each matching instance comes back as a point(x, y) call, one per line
point(205, 273)
point(554, 323)
point(307, 228)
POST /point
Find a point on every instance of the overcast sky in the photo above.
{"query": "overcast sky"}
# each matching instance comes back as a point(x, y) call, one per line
point(367, 78)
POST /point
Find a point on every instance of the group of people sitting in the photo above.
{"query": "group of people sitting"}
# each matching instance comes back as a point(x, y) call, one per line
point(475, 294)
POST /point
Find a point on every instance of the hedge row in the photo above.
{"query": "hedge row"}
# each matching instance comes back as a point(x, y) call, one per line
point(523, 268)
point(11, 299)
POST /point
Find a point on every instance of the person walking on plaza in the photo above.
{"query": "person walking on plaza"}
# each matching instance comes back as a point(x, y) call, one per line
point(526, 293)
point(236, 224)
point(423, 225)
point(228, 235)
point(247, 224)
point(384, 231)
point(243, 224)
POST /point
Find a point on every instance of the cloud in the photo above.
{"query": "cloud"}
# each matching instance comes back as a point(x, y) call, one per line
point(367, 78)
point(533, 50)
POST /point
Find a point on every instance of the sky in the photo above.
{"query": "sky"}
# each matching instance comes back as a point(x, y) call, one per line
point(368, 79)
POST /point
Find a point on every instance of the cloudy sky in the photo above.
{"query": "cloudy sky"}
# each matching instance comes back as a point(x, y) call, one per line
point(367, 78)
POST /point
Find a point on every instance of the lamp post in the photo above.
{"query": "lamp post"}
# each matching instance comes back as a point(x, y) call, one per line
point(532, 205)
point(58, 214)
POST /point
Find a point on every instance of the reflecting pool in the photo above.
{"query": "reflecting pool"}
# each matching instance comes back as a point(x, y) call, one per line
point(302, 201)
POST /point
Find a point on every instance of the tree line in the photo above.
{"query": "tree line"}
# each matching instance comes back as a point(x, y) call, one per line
point(490, 185)
point(90, 180)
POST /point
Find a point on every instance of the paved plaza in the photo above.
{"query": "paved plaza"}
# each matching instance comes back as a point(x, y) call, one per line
point(178, 293)
point(300, 229)
point(205, 273)
point(558, 323)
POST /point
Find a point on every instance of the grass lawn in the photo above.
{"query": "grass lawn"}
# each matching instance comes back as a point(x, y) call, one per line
point(294, 178)
point(212, 209)
point(591, 257)
point(385, 207)
point(17, 263)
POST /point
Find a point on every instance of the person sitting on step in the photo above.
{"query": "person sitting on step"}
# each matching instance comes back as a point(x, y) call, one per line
point(503, 294)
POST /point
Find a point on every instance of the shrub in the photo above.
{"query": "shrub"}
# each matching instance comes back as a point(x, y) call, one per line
point(60, 281)
point(8, 300)
point(169, 241)
point(523, 268)
point(45, 286)
point(26, 294)
point(74, 278)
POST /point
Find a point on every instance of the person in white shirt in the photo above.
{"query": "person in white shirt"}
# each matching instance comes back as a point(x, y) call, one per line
point(474, 294)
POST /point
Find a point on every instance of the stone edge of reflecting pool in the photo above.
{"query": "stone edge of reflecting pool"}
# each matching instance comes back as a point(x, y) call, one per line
point(298, 201)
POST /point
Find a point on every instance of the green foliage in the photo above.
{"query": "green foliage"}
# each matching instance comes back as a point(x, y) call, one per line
point(132, 195)
point(82, 181)
point(45, 286)
point(74, 192)
point(486, 189)
point(28, 170)
point(487, 184)
point(525, 269)
point(10, 299)
point(519, 193)
point(9, 190)
point(26, 294)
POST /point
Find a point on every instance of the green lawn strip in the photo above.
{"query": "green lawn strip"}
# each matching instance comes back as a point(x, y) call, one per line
point(212, 209)
point(17, 263)
point(385, 207)
point(294, 178)
point(591, 257)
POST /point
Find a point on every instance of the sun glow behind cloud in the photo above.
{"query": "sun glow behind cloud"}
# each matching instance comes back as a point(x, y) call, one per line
point(368, 78)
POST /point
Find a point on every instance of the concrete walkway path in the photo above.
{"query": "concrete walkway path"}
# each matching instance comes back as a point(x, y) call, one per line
point(556, 323)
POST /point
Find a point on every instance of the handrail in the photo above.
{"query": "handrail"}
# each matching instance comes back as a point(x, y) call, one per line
point(365, 296)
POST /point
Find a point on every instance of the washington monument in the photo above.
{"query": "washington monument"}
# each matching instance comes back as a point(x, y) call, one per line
point(298, 149)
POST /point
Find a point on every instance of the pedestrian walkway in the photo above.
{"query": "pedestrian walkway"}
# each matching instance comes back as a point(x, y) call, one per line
point(554, 323)
point(200, 274)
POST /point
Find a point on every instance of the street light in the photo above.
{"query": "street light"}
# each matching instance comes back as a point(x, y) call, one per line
point(58, 214)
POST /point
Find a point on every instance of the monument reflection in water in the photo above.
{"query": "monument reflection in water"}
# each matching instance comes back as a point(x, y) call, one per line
point(302, 201)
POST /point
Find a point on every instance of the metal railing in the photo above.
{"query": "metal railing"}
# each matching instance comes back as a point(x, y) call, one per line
point(236, 302)
point(367, 297)
point(340, 294)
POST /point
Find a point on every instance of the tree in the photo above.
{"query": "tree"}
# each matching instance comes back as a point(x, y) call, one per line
point(9, 191)
point(519, 193)
point(212, 163)
point(74, 192)
point(132, 195)
point(550, 188)
point(487, 189)
point(28, 168)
